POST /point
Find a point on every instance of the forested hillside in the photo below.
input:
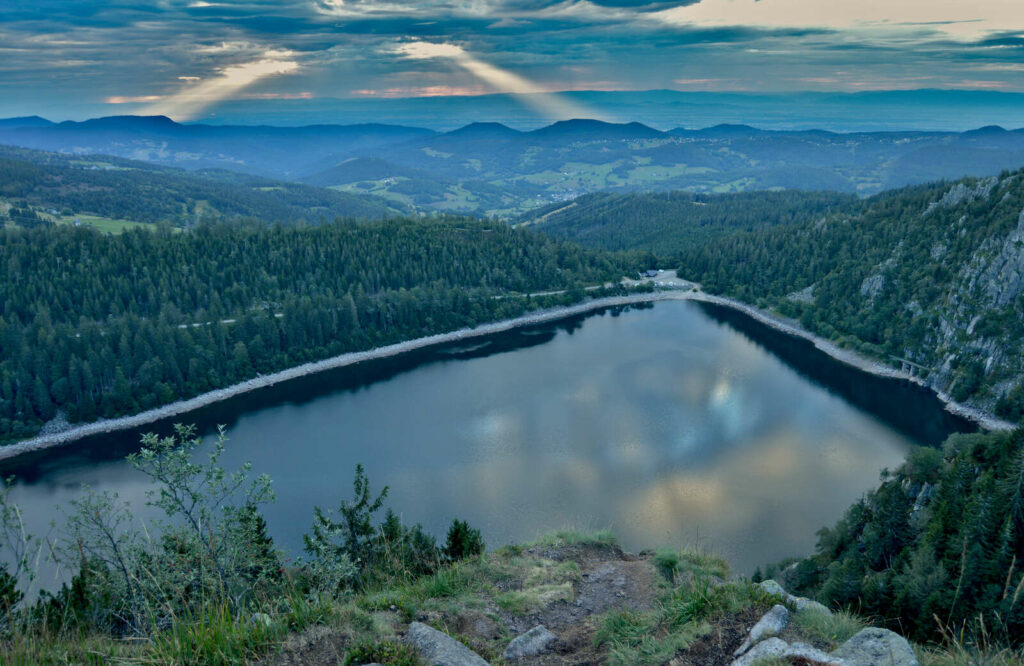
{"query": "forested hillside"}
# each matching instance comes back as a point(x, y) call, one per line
point(939, 546)
point(666, 223)
point(124, 189)
point(93, 325)
point(933, 274)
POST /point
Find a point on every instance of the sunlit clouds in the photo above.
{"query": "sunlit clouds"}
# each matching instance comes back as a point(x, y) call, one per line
point(959, 20)
point(547, 104)
point(227, 83)
point(192, 54)
point(127, 99)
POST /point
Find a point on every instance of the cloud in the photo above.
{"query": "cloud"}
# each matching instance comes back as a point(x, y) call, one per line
point(58, 56)
point(959, 20)
point(139, 99)
point(428, 50)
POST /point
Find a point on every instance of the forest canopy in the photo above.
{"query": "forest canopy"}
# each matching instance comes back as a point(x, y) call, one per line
point(94, 325)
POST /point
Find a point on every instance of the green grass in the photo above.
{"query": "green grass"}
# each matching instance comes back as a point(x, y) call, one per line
point(528, 600)
point(689, 562)
point(835, 629)
point(644, 638)
point(548, 573)
point(382, 652)
point(216, 638)
point(448, 589)
point(562, 538)
point(682, 616)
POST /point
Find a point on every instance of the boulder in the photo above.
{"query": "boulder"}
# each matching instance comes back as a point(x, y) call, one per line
point(803, 603)
point(804, 653)
point(877, 647)
point(439, 649)
point(534, 642)
point(772, 587)
point(773, 647)
point(771, 624)
point(776, 648)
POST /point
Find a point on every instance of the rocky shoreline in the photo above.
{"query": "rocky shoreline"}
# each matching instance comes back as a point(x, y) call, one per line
point(849, 357)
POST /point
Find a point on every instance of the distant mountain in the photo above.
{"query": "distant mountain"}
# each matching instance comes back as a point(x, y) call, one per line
point(25, 121)
point(485, 131)
point(902, 110)
point(281, 152)
point(492, 169)
point(115, 188)
point(581, 129)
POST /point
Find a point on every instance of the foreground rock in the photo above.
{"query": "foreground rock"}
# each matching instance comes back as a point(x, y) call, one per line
point(800, 603)
point(877, 646)
point(534, 642)
point(439, 649)
point(771, 624)
point(776, 648)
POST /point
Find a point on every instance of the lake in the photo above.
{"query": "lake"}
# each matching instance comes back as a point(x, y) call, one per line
point(672, 424)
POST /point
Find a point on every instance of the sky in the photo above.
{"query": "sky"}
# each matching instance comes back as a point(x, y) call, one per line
point(180, 57)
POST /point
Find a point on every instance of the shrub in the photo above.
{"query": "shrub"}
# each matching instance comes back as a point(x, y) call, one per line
point(463, 541)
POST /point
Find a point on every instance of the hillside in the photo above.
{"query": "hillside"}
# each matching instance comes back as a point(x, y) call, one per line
point(65, 187)
point(932, 274)
point(937, 546)
point(121, 324)
point(666, 223)
point(563, 161)
point(491, 169)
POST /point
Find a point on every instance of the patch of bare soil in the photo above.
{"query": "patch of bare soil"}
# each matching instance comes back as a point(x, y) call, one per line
point(610, 579)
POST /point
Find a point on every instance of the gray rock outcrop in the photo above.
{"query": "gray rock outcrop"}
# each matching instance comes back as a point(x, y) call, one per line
point(439, 649)
point(772, 647)
point(801, 603)
point(534, 642)
point(876, 647)
point(776, 648)
point(771, 624)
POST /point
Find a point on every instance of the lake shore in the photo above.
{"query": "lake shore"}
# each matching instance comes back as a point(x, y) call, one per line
point(846, 356)
point(852, 358)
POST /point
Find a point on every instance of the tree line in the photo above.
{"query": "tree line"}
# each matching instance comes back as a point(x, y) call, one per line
point(95, 326)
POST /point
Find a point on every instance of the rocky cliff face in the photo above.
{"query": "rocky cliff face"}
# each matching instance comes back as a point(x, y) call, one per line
point(976, 326)
point(954, 269)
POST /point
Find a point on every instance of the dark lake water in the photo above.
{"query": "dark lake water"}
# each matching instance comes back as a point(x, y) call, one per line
point(672, 424)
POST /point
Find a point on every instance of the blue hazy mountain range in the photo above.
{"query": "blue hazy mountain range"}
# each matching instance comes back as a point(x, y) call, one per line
point(490, 168)
point(950, 110)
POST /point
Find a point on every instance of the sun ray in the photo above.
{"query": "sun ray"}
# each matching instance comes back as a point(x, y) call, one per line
point(550, 105)
point(201, 94)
